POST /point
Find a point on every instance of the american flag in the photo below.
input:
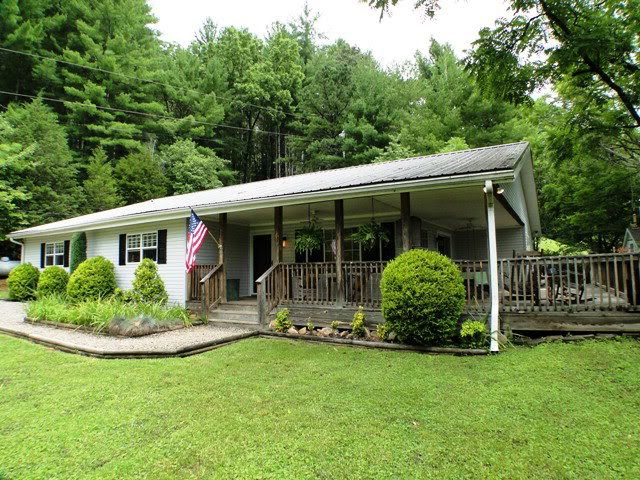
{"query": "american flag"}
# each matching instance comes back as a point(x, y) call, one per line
point(195, 238)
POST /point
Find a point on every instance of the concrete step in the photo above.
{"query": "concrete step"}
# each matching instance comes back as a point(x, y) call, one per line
point(235, 316)
point(239, 307)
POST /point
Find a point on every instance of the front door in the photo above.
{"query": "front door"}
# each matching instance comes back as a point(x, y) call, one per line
point(261, 256)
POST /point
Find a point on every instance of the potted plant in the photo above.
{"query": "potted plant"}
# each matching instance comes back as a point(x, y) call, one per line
point(308, 238)
point(369, 234)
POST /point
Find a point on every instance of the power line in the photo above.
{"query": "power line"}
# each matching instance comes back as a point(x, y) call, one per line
point(133, 77)
point(146, 114)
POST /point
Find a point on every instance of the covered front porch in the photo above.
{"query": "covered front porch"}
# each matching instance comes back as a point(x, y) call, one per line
point(254, 255)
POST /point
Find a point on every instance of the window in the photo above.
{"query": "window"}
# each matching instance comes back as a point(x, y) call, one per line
point(54, 254)
point(424, 239)
point(142, 245)
point(444, 245)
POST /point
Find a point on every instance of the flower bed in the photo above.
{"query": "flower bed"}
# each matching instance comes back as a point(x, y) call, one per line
point(110, 316)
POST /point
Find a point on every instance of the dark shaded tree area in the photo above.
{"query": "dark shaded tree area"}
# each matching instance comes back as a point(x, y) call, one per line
point(98, 112)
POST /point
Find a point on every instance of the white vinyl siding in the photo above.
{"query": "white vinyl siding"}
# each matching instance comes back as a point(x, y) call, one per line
point(32, 248)
point(514, 195)
point(472, 245)
point(105, 243)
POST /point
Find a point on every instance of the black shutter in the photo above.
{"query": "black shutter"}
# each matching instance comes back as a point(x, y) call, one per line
point(162, 246)
point(67, 244)
point(122, 249)
point(42, 248)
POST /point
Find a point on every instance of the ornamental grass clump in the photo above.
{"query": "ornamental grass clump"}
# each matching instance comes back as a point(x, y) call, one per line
point(148, 287)
point(53, 281)
point(94, 279)
point(23, 282)
point(422, 297)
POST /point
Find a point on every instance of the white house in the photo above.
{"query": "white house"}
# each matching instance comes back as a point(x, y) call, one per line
point(472, 205)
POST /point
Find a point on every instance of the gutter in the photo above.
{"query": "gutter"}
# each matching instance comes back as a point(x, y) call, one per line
point(21, 248)
point(505, 175)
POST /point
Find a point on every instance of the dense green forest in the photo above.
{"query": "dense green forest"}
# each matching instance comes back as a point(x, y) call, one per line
point(98, 112)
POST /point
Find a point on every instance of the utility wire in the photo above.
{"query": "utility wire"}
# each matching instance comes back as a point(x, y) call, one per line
point(146, 114)
point(133, 77)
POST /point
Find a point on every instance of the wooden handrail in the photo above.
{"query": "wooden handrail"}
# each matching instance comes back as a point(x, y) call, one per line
point(265, 307)
point(212, 272)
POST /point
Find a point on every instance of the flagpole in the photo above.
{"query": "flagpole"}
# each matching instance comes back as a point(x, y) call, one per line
point(208, 231)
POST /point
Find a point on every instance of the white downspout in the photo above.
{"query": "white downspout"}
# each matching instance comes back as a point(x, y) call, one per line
point(21, 248)
point(494, 324)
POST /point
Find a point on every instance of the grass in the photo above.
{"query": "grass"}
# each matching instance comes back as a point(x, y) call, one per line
point(98, 314)
point(269, 408)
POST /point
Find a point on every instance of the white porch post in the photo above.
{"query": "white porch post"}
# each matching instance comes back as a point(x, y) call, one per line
point(494, 323)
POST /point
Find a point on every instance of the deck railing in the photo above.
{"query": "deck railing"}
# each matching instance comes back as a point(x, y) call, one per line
point(565, 283)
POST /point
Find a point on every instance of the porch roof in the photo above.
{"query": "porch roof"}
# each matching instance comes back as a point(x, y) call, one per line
point(465, 166)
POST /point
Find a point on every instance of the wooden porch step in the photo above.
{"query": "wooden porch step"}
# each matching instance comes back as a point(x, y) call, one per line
point(234, 315)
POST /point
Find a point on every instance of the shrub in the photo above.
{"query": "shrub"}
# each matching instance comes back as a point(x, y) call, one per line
point(310, 326)
point(93, 279)
point(422, 297)
point(78, 250)
point(357, 324)
point(53, 280)
point(473, 334)
point(23, 282)
point(148, 287)
point(334, 325)
point(383, 331)
point(282, 322)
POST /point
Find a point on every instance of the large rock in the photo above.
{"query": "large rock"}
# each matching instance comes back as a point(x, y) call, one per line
point(344, 333)
point(325, 332)
point(303, 331)
point(272, 324)
point(292, 331)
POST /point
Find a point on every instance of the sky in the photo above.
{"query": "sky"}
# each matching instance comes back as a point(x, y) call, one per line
point(392, 41)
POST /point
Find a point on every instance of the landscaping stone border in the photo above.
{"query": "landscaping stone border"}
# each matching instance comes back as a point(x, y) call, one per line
point(84, 328)
point(532, 342)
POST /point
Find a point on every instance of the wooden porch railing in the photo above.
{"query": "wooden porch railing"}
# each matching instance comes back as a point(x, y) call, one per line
point(213, 286)
point(316, 284)
point(195, 276)
point(566, 283)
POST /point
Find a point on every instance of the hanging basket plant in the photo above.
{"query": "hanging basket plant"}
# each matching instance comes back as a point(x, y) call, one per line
point(308, 238)
point(369, 234)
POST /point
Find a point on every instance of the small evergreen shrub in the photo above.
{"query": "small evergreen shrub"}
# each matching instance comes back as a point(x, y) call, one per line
point(334, 325)
point(473, 334)
point(93, 279)
point(357, 324)
point(422, 297)
point(310, 326)
point(282, 322)
point(148, 287)
point(53, 281)
point(23, 282)
point(78, 250)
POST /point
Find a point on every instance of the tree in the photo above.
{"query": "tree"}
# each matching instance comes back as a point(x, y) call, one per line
point(15, 162)
point(100, 189)
point(140, 177)
point(52, 182)
point(191, 169)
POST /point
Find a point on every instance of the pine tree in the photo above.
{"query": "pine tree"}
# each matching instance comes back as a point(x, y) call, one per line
point(139, 177)
point(100, 189)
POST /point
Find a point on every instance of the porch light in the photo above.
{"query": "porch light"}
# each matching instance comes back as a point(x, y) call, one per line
point(285, 244)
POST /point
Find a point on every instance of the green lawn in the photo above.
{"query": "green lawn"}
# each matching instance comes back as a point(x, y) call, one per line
point(269, 408)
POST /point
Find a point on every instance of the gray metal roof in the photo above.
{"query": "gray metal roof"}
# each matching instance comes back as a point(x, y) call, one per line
point(454, 164)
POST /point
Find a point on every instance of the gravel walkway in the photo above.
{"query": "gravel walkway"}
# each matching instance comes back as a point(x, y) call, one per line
point(178, 342)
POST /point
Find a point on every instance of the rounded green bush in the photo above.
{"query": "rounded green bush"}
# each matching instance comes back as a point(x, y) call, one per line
point(23, 282)
point(93, 279)
point(53, 281)
point(422, 297)
point(148, 287)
